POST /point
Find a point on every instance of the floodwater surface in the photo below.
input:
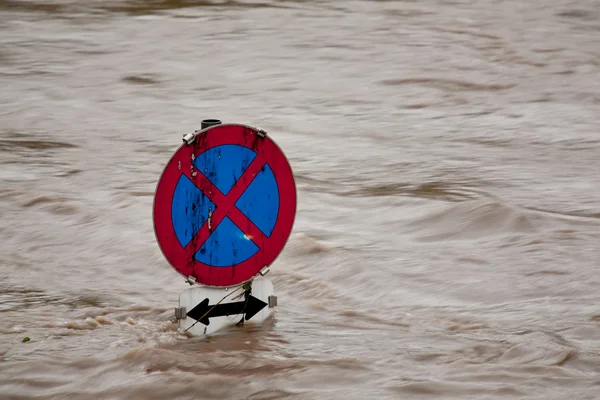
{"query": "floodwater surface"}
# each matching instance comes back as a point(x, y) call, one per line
point(447, 158)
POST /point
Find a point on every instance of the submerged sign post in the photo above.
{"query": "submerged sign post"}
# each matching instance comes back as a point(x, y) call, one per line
point(224, 209)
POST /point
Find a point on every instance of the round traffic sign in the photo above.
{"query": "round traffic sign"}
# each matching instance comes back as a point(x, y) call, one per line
point(225, 205)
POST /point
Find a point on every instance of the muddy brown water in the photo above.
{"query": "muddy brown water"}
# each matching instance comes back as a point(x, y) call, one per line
point(447, 157)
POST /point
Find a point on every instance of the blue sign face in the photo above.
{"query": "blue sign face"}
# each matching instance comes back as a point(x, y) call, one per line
point(227, 244)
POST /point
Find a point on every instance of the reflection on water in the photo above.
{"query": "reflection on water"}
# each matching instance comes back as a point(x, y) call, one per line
point(446, 158)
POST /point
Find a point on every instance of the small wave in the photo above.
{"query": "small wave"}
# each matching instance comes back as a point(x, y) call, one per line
point(463, 324)
point(473, 219)
point(444, 389)
point(490, 142)
point(11, 145)
point(573, 217)
point(527, 354)
point(548, 272)
point(124, 314)
point(228, 364)
point(372, 319)
point(7, 193)
point(429, 190)
point(135, 7)
point(578, 14)
point(296, 285)
point(141, 7)
point(63, 209)
point(271, 394)
point(41, 200)
point(141, 79)
point(305, 244)
point(17, 5)
point(467, 32)
point(439, 190)
point(141, 194)
point(448, 84)
point(77, 325)
point(20, 298)
point(55, 205)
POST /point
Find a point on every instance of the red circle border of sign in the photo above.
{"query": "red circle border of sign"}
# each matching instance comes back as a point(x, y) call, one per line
point(184, 262)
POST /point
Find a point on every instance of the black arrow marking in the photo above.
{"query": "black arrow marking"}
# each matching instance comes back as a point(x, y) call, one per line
point(250, 307)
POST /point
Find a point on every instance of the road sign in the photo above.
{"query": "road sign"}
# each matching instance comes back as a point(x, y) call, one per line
point(205, 310)
point(225, 205)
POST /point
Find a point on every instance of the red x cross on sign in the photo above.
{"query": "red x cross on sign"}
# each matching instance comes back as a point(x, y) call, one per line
point(225, 204)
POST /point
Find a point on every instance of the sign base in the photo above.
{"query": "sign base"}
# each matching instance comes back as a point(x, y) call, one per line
point(205, 310)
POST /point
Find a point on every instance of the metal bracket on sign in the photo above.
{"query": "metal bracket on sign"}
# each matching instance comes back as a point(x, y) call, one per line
point(272, 301)
point(261, 133)
point(189, 138)
point(191, 280)
point(180, 313)
point(264, 271)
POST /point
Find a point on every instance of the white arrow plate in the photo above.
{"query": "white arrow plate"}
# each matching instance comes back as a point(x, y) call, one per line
point(262, 289)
